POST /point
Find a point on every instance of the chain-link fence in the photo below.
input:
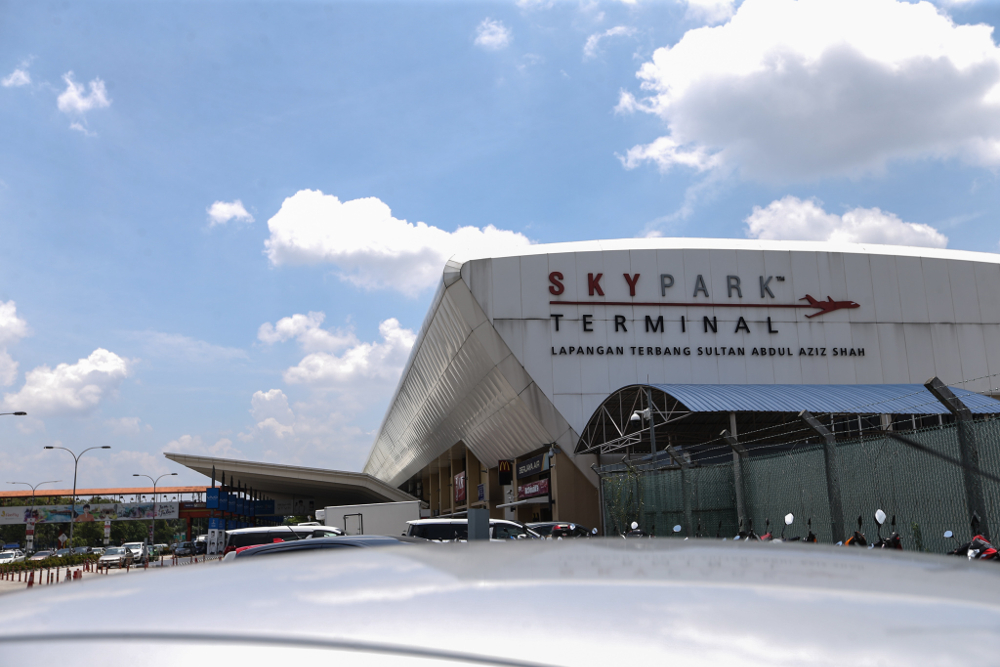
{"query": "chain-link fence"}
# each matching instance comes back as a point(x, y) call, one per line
point(922, 494)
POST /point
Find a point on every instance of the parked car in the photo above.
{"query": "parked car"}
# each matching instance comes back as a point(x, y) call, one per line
point(247, 537)
point(97, 550)
point(201, 545)
point(42, 555)
point(301, 546)
point(11, 556)
point(184, 549)
point(707, 603)
point(63, 552)
point(80, 550)
point(443, 530)
point(116, 557)
point(557, 529)
point(138, 550)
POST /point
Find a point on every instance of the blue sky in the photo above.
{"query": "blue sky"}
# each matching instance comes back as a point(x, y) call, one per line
point(177, 275)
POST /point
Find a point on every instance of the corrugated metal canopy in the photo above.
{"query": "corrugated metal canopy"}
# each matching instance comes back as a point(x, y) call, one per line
point(821, 398)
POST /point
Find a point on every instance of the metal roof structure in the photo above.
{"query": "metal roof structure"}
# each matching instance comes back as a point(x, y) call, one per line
point(857, 399)
point(327, 487)
point(690, 415)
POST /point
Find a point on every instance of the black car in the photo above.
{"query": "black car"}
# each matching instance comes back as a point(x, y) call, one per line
point(297, 546)
point(556, 529)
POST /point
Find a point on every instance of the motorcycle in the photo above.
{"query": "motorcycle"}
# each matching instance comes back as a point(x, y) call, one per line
point(891, 542)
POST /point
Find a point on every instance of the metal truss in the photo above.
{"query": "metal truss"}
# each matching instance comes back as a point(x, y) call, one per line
point(611, 427)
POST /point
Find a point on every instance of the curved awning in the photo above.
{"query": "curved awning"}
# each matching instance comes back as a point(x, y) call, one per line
point(859, 399)
point(692, 413)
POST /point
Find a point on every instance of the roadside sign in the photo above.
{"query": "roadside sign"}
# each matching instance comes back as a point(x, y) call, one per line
point(62, 538)
point(107, 531)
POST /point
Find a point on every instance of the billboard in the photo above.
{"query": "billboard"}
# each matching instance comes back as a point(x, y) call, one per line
point(86, 512)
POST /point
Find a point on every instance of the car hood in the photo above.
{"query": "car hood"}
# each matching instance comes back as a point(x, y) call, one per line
point(575, 602)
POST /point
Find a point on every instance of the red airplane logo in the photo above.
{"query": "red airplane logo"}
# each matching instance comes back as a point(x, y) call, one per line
point(827, 306)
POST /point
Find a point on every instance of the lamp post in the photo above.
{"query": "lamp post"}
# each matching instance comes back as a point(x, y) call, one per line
point(152, 526)
point(76, 462)
point(30, 538)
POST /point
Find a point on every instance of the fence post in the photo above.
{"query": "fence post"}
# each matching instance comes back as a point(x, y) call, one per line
point(968, 452)
point(832, 475)
point(738, 452)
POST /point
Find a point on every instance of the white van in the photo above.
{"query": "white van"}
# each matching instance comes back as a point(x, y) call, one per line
point(248, 537)
point(457, 530)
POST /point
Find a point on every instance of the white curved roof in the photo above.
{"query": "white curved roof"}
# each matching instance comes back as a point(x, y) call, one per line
point(683, 243)
point(481, 371)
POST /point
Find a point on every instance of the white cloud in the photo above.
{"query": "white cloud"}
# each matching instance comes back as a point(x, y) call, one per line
point(193, 444)
point(805, 220)
point(594, 41)
point(19, 77)
point(372, 249)
point(70, 389)
point(76, 100)
point(307, 331)
point(8, 369)
point(381, 362)
point(799, 89)
point(221, 212)
point(177, 346)
point(710, 11)
point(12, 327)
point(492, 35)
point(127, 426)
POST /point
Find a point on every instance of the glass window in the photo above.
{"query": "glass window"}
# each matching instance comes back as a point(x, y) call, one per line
point(441, 531)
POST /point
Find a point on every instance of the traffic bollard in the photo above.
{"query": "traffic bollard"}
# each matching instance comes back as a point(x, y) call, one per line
point(31, 579)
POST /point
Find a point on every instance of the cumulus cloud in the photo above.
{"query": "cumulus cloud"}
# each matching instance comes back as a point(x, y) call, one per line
point(379, 361)
point(70, 389)
point(710, 11)
point(19, 77)
point(800, 89)
point(75, 101)
point(805, 220)
point(307, 331)
point(492, 35)
point(221, 212)
point(12, 329)
point(590, 48)
point(372, 249)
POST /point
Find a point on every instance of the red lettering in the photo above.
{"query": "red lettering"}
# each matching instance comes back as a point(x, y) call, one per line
point(556, 287)
point(594, 284)
point(631, 283)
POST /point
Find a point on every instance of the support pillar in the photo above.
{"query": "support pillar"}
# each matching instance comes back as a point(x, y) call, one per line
point(968, 451)
point(832, 475)
point(739, 451)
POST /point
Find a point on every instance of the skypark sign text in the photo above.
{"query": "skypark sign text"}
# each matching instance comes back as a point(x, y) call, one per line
point(734, 285)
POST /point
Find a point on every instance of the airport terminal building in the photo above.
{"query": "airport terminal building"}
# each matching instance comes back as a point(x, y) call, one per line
point(531, 369)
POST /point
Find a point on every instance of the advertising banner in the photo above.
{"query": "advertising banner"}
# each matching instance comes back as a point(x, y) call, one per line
point(212, 498)
point(533, 489)
point(460, 487)
point(86, 512)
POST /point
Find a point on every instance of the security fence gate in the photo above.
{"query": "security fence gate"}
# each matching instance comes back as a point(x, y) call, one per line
point(925, 495)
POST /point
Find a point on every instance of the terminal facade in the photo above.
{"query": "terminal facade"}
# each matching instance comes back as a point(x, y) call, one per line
point(519, 353)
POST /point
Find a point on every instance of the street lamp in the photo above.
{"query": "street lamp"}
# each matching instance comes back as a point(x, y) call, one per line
point(152, 527)
point(76, 461)
point(27, 546)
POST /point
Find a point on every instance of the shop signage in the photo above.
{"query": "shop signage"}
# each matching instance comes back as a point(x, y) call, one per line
point(481, 492)
point(531, 466)
point(460, 487)
point(505, 472)
point(533, 489)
